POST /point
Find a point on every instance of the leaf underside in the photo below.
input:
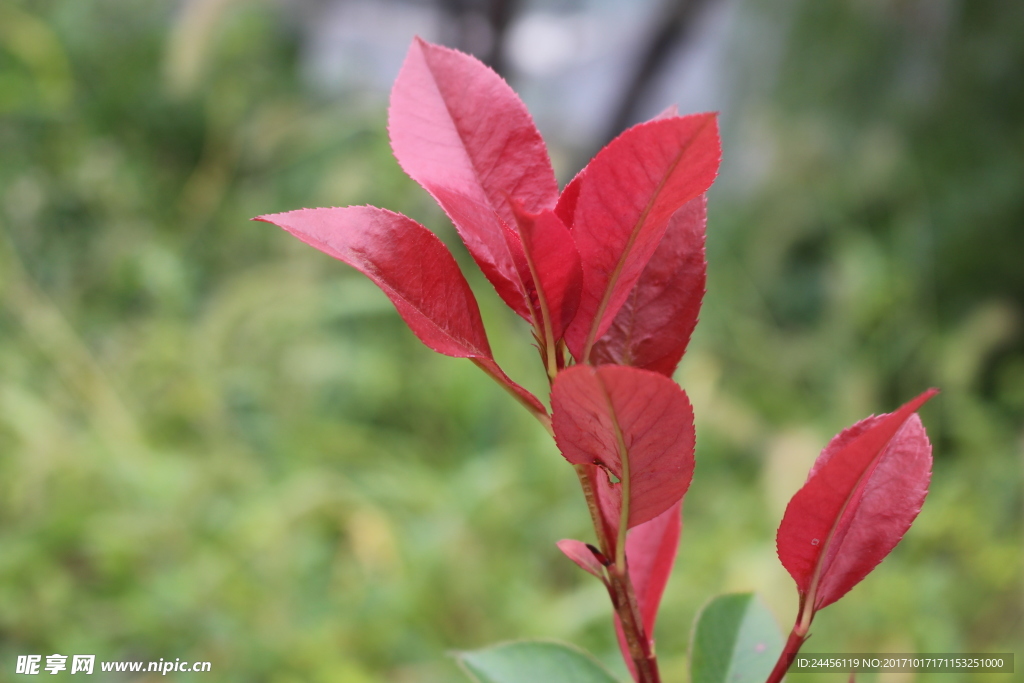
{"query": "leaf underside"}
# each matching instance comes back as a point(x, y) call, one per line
point(616, 417)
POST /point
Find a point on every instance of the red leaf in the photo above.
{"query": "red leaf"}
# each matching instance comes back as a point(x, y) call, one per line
point(415, 270)
point(860, 498)
point(552, 268)
point(635, 424)
point(627, 195)
point(566, 207)
point(461, 132)
point(583, 555)
point(650, 551)
point(653, 327)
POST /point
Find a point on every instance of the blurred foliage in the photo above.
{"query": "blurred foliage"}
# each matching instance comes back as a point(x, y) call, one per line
point(218, 444)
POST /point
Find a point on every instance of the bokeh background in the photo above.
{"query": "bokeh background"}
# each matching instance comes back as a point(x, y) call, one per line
point(218, 444)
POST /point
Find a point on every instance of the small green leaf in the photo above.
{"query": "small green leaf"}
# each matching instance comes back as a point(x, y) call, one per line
point(533, 661)
point(735, 640)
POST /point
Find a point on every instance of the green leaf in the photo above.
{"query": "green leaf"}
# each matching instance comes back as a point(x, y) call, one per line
point(533, 661)
point(735, 640)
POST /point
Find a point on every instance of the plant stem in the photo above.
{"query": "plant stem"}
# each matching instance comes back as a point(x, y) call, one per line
point(620, 588)
point(797, 637)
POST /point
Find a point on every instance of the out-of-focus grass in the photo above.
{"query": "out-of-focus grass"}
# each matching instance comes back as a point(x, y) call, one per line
point(218, 444)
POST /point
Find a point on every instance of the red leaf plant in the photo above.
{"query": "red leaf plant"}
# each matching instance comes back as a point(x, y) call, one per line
point(610, 274)
point(861, 496)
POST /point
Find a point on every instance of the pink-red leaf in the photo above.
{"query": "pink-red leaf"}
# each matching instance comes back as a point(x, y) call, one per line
point(414, 269)
point(650, 552)
point(583, 555)
point(552, 267)
point(461, 132)
point(626, 197)
point(636, 425)
point(566, 206)
point(653, 327)
point(863, 493)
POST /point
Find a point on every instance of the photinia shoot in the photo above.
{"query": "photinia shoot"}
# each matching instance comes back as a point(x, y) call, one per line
point(610, 274)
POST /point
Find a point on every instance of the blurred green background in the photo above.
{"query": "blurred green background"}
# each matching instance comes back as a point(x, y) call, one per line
point(218, 444)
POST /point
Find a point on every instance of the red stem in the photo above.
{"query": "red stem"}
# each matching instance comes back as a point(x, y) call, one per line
point(797, 637)
point(620, 590)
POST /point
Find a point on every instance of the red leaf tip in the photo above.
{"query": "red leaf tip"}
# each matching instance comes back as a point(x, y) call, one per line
point(587, 557)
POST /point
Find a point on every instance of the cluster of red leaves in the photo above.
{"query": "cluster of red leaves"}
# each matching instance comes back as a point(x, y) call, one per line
point(610, 274)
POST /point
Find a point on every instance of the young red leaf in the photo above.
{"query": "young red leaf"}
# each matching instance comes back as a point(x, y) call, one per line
point(627, 195)
point(650, 552)
point(414, 269)
point(653, 327)
point(461, 132)
point(552, 276)
point(636, 425)
point(566, 207)
point(860, 498)
point(583, 555)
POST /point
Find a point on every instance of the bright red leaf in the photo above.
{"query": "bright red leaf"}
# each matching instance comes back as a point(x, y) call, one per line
point(636, 425)
point(414, 269)
point(550, 268)
point(653, 327)
point(626, 197)
point(651, 552)
point(460, 131)
point(566, 207)
point(860, 498)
